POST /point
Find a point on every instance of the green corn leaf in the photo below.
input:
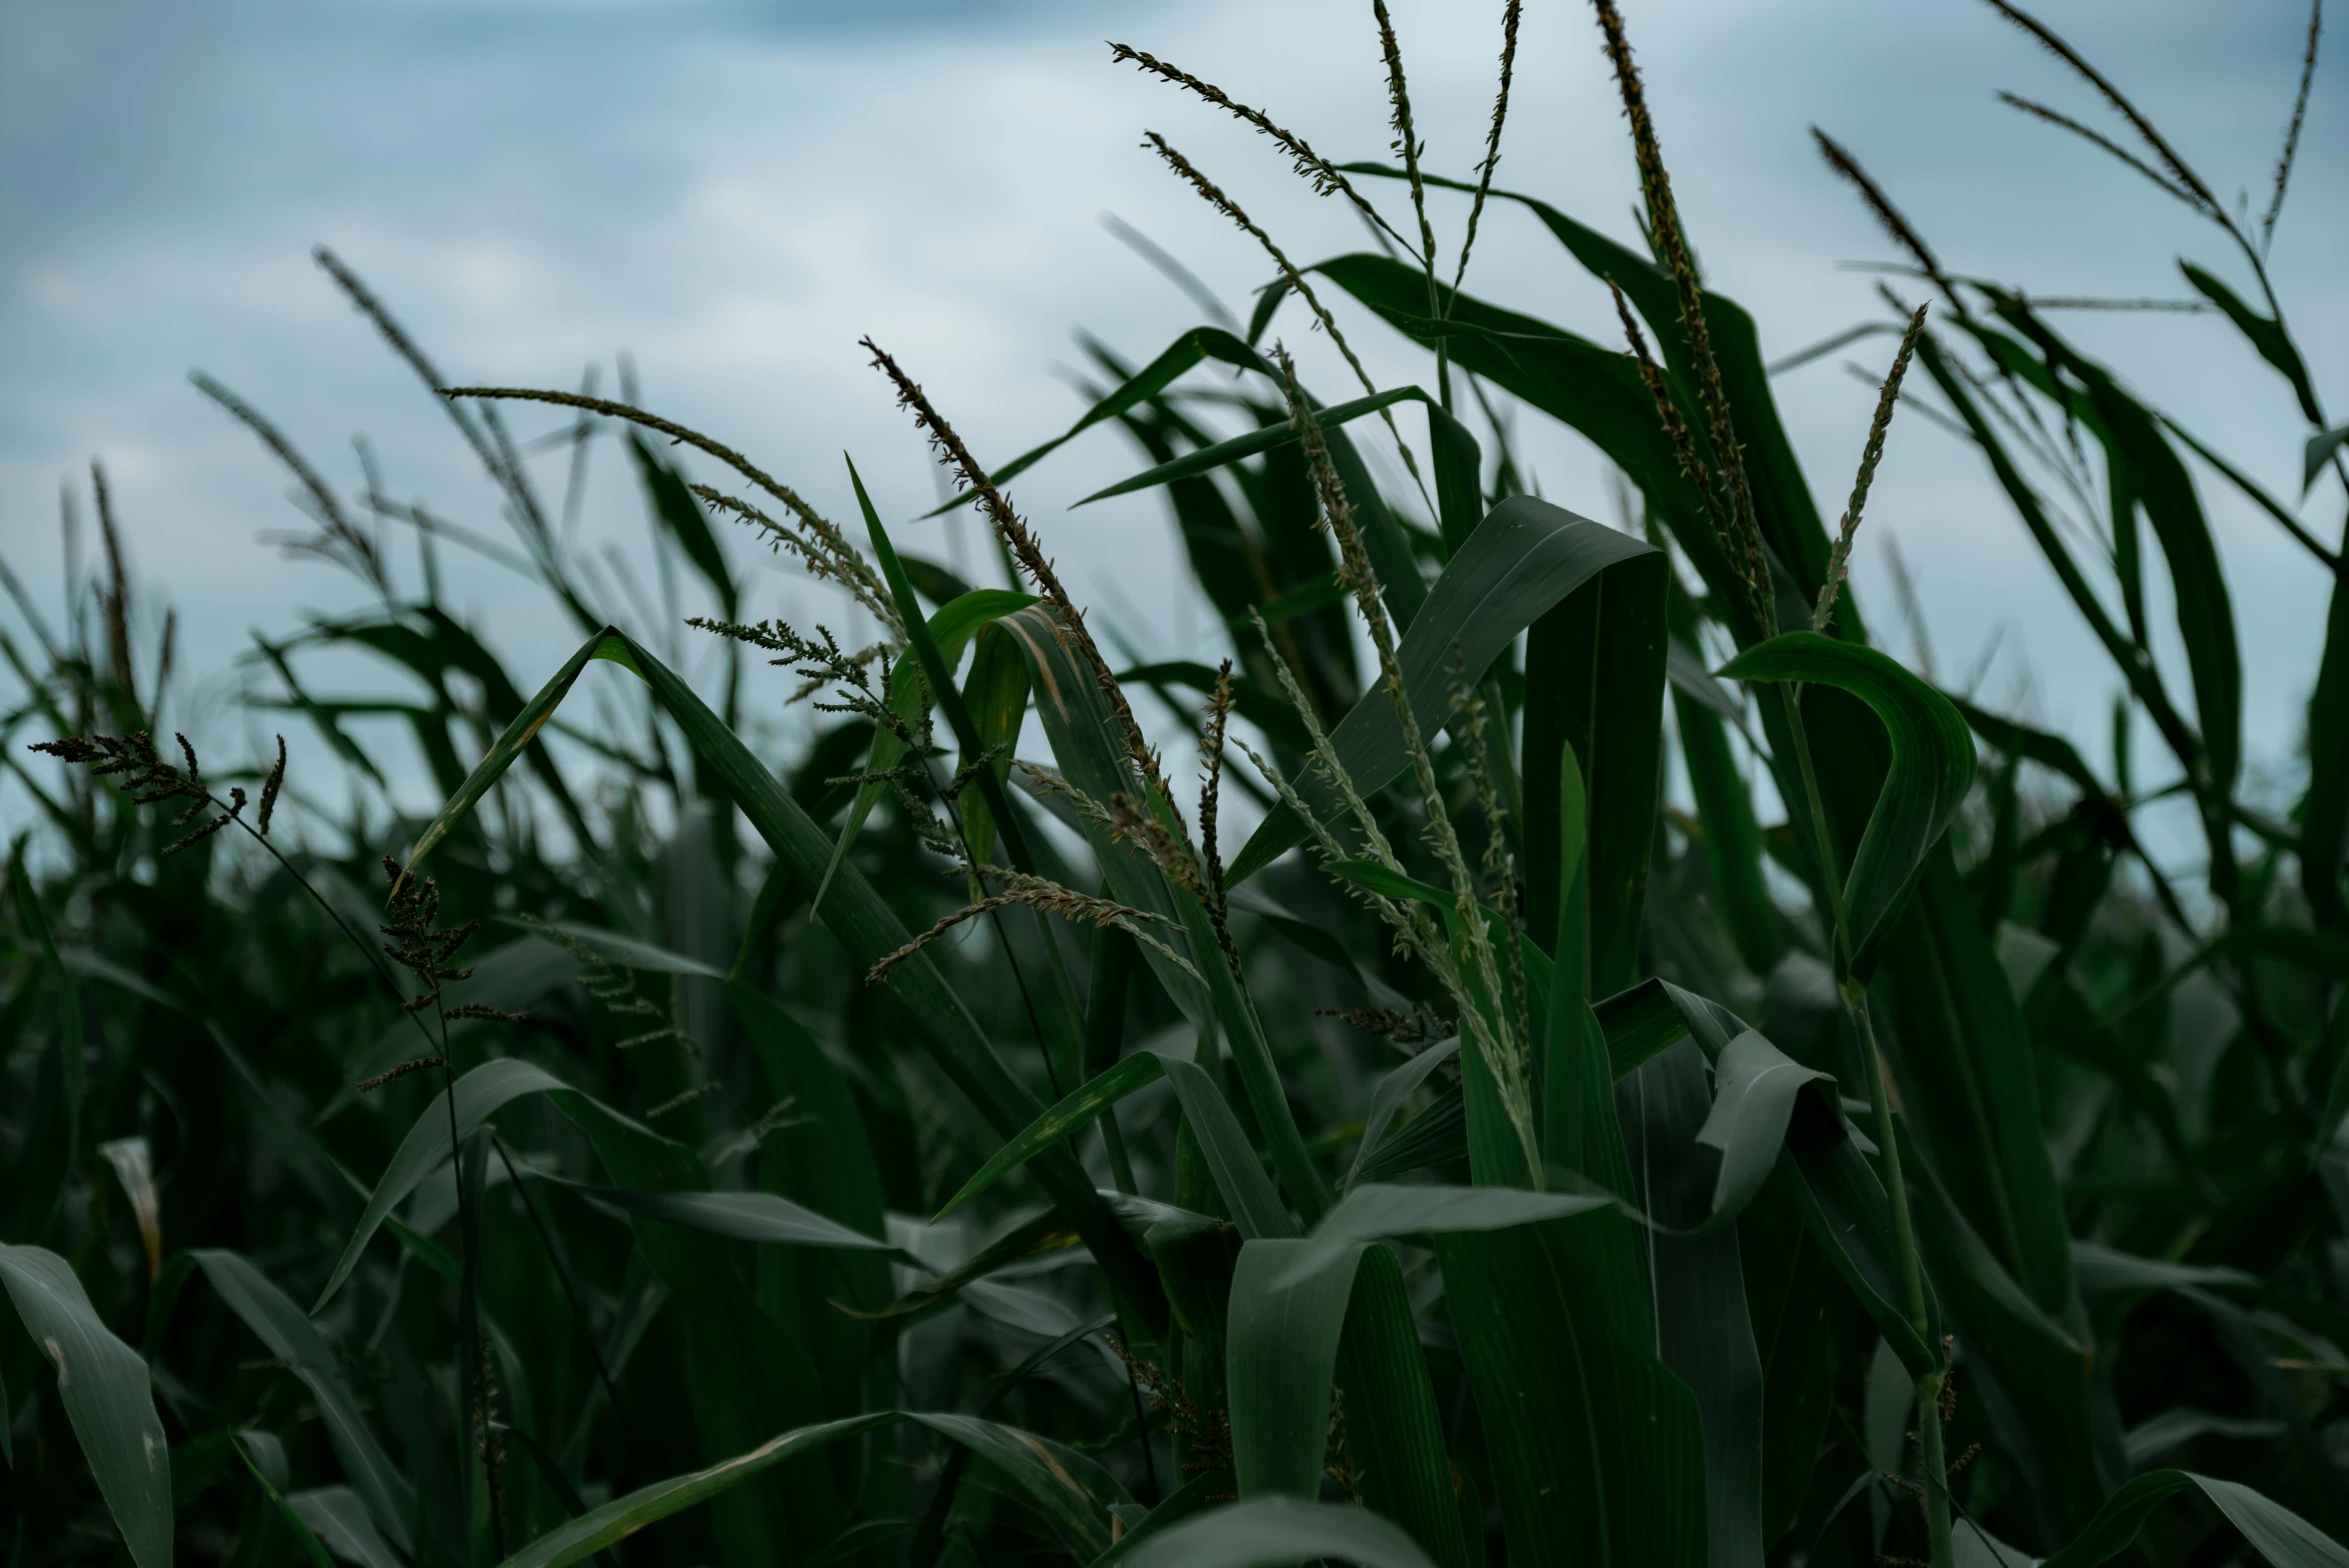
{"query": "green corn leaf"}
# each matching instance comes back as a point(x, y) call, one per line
point(1844, 1209)
point(2165, 490)
point(2324, 810)
point(1256, 1207)
point(434, 646)
point(2279, 1535)
point(856, 916)
point(1436, 1136)
point(1597, 1449)
point(1281, 1357)
point(1074, 1112)
point(936, 668)
point(1200, 1492)
point(995, 694)
point(1523, 559)
point(1080, 727)
point(1190, 350)
point(1389, 1097)
point(1755, 1086)
point(1395, 1441)
point(923, 671)
point(272, 1315)
point(1262, 439)
point(103, 1385)
point(1266, 710)
point(1970, 1090)
point(1591, 389)
point(1376, 1212)
point(2149, 473)
point(72, 1071)
point(2318, 453)
point(1269, 1532)
point(1578, 1126)
point(1459, 477)
point(1295, 1324)
point(1651, 1015)
point(344, 1526)
point(1390, 550)
point(1072, 1493)
point(1704, 1324)
point(268, 1475)
point(680, 512)
point(1039, 1236)
point(2104, 1269)
point(2017, 739)
point(738, 1216)
point(2265, 333)
point(510, 745)
point(1732, 839)
point(1594, 681)
point(1933, 765)
point(1071, 1490)
point(479, 1095)
point(626, 951)
point(1790, 520)
point(740, 1374)
point(1387, 882)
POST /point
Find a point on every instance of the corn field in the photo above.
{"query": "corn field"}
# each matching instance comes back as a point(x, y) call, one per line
point(1592, 1061)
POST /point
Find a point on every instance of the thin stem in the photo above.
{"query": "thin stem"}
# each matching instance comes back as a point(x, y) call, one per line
point(1854, 995)
point(1932, 1451)
point(562, 1274)
point(476, 1411)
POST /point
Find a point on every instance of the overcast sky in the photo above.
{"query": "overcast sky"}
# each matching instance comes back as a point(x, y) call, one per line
point(732, 194)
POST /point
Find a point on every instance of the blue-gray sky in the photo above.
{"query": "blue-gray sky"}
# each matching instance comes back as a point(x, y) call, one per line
point(734, 193)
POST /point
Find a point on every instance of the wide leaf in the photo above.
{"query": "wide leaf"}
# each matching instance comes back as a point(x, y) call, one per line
point(1933, 765)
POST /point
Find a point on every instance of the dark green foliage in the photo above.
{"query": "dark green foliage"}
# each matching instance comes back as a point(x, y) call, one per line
point(891, 1149)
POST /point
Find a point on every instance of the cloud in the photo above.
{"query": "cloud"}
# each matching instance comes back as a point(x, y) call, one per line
point(736, 193)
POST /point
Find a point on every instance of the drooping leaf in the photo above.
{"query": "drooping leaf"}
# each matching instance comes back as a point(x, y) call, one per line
point(343, 1525)
point(103, 1385)
point(680, 512)
point(2279, 1535)
point(478, 1095)
point(1042, 1473)
point(2319, 453)
point(297, 1344)
point(2265, 333)
point(1270, 1532)
point(864, 925)
point(1932, 765)
point(1754, 1091)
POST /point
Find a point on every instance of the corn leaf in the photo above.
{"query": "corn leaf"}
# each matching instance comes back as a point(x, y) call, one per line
point(103, 1385)
point(1268, 1532)
point(2279, 1535)
point(1933, 765)
point(1075, 1111)
point(295, 1341)
point(1288, 1308)
point(1524, 558)
point(1076, 1505)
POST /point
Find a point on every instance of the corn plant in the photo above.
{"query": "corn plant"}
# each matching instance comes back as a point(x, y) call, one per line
point(923, 1152)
